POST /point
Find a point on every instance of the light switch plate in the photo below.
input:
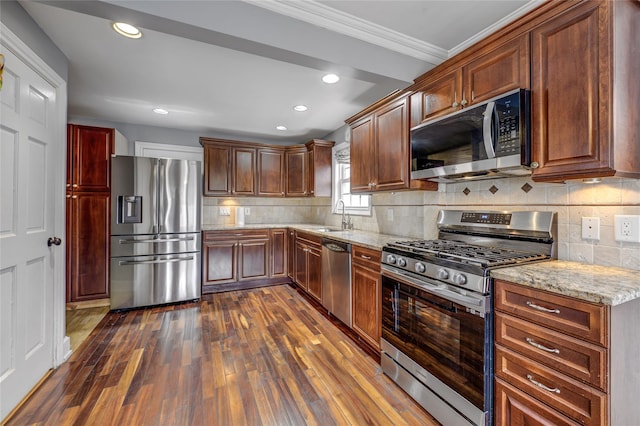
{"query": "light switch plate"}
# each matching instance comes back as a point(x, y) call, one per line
point(390, 214)
point(591, 228)
point(225, 211)
point(247, 211)
point(627, 228)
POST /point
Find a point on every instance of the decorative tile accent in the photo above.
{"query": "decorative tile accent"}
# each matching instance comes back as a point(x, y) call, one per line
point(493, 189)
point(526, 187)
point(466, 191)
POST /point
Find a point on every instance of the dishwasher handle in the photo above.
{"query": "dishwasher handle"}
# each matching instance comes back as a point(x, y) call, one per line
point(337, 246)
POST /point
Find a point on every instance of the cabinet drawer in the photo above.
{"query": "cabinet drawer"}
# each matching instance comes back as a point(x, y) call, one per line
point(235, 235)
point(576, 358)
point(568, 315)
point(310, 239)
point(572, 398)
point(366, 256)
point(514, 407)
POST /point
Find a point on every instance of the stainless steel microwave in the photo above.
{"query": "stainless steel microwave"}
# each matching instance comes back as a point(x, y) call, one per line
point(490, 139)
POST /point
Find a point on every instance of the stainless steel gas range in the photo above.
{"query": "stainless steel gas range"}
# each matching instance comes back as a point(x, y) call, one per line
point(437, 314)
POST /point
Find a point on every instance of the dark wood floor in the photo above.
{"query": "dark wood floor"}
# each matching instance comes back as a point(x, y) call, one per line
point(256, 357)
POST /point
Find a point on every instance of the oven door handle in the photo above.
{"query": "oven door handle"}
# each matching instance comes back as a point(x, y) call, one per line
point(440, 290)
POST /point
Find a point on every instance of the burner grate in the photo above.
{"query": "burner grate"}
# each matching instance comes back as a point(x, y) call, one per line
point(469, 253)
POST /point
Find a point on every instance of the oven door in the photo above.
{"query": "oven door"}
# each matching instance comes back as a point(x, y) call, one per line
point(449, 345)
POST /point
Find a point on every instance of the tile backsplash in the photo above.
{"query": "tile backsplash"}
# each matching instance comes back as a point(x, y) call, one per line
point(414, 213)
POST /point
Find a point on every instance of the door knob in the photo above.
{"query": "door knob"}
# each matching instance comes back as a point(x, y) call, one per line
point(54, 241)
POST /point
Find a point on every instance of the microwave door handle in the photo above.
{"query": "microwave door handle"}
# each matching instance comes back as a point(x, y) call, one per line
point(487, 130)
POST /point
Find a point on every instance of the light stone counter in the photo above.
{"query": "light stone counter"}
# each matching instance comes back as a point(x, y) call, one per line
point(592, 283)
point(362, 238)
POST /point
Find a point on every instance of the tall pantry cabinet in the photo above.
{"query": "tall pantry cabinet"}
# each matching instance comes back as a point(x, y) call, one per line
point(88, 206)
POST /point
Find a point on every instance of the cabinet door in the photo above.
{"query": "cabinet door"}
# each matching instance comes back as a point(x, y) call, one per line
point(219, 263)
point(88, 246)
point(278, 253)
point(297, 183)
point(271, 172)
point(314, 272)
point(392, 147)
point(244, 171)
point(438, 98)
point(499, 71)
point(362, 151)
point(90, 157)
point(253, 257)
point(291, 253)
point(570, 84)
point(217, 170)
point(367, 294)
point(516, 408)
point(300, 272)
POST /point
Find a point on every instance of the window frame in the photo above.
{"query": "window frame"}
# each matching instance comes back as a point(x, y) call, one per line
point(338, 183)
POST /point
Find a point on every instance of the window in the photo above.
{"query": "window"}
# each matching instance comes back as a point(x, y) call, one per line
point(354, 204)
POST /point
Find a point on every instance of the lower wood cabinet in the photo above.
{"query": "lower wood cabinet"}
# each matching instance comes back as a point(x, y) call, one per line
point(242, 259)
point(366, 287)
point(87, 245)
point(551, 358)
point(308, 264)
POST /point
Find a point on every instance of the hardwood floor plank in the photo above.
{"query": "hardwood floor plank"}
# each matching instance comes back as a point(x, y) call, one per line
point(263, 356)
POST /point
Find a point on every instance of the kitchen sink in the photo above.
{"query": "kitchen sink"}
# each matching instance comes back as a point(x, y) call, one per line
point(328, 230)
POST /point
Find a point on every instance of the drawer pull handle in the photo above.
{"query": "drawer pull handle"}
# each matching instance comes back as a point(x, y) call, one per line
point(542, 347)
point(365, 257)
point(541, 386)
point(542, 308)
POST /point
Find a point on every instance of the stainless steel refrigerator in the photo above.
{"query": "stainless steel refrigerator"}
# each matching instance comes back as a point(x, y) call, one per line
point(155, 231)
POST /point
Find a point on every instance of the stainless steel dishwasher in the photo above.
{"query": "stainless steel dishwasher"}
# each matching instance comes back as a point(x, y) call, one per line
point(336, 279)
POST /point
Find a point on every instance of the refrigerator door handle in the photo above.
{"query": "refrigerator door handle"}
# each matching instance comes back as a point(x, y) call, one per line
point(146, 262)
point(156, 240)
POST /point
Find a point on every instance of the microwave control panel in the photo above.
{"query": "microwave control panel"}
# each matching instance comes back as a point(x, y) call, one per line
point(508, 135)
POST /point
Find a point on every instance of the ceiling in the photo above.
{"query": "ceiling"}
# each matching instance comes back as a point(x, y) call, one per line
point(238, 67)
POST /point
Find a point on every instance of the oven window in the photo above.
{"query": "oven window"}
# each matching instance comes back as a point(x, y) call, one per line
point(437, 334)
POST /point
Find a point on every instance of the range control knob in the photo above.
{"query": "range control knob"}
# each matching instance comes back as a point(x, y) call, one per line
point(443, 274)
point(459, 279)
point(402, 262)
point(391, 259)
point(420, 268)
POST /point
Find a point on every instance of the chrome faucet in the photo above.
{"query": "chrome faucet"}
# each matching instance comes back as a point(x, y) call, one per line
point(346, 222)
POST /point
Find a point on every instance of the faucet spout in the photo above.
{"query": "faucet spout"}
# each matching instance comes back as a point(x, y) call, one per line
point(344, 222)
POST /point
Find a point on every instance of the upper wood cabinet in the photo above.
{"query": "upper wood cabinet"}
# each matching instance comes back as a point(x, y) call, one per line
point(271, 166)
point(585, 92)
point(380, 151)
point(241, 168)
point(319, 163)
point(89, 158)
point(297, 174)
point(486, 75)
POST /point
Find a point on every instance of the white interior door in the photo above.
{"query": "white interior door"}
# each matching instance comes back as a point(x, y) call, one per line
point(29, 147)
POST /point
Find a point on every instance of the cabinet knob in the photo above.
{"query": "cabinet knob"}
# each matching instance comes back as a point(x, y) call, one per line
point(534, 165)
point(68, 196)
point(75, 185)
point(68, 185)
point(463, 102)
point(455, 105)
point(74, 197)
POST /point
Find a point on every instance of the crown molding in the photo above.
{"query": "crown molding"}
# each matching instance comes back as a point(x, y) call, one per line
point(528, 7)
point(334, 20)
point(327, 17)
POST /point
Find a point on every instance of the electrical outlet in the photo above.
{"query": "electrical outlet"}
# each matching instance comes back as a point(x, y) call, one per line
point(390, 214)
point(627, 228)
point(247, 211)
point(591, 228)
point(225, 211)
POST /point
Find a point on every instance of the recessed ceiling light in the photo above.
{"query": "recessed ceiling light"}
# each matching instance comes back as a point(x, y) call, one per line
point(281, 127)
point(330, 78)
point(160, 111)
point(126, 30)
point(300, 108)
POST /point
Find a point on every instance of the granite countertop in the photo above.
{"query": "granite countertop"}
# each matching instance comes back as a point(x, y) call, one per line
point(592, 283)
point(367, 239)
